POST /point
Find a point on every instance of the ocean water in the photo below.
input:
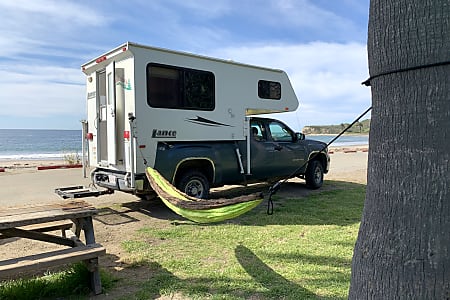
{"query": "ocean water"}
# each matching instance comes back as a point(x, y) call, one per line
point(33, 144)
point(342, 141)
point(37, 144)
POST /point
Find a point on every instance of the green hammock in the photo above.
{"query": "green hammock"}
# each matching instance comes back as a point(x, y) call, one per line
point(200, 210)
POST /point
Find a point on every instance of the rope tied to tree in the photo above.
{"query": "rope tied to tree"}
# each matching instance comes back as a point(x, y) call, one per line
point(367, 81)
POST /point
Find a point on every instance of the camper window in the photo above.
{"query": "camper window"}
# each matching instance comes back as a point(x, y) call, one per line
point(179, 88)
point(269, 90)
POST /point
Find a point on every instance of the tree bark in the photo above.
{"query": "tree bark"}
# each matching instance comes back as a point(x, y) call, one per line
point(402, 250)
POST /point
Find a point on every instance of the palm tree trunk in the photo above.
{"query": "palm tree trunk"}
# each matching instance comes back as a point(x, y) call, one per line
point(402, 250)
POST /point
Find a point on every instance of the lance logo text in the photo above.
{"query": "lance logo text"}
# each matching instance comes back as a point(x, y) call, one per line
point(159, 133)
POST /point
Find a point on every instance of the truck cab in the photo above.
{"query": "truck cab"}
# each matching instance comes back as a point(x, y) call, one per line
point(275, 152)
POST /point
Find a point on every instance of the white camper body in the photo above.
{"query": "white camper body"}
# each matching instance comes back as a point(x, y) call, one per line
point(125, 119)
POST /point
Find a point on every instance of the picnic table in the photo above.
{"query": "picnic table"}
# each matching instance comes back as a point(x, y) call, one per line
point(36, 221)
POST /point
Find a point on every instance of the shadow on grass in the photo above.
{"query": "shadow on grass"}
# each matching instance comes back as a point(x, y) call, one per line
point(276, 285)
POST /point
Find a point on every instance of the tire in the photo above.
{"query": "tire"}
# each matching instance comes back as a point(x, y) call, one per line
point(195, 184)
point(314, 175)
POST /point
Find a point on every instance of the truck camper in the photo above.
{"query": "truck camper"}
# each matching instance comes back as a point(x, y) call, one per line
point(194, 119)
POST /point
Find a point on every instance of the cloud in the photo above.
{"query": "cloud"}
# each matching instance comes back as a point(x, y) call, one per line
point(56, 11)
point(300, 20)
point(199, 24)
point(307, 14)
point(43, 43)
point(43, 91)
point(203, 8)
point(38, 27)
point(325, 76)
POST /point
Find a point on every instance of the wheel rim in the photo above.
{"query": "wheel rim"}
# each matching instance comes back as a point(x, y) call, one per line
point(194, 188)
point(317, 175)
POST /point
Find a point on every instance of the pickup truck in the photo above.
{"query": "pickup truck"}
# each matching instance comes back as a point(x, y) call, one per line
point(276, 152)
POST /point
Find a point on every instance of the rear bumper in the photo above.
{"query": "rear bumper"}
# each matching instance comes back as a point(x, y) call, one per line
point(117, 180)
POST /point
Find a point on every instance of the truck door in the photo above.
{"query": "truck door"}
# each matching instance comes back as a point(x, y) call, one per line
point(261, 151)
point(111, 113)
point(288, 154)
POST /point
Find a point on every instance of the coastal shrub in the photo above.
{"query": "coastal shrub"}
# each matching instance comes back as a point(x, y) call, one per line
point(72, 158)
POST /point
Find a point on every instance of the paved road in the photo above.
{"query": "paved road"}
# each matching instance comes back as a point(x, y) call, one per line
point(30, 186)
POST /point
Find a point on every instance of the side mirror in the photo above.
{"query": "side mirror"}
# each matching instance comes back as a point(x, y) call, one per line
point(299, 136)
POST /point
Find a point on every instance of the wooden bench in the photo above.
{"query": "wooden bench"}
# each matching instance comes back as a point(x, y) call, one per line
point(34, 222)
point(12, 267)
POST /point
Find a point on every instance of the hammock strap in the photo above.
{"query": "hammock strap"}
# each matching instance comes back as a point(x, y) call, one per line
point(272, 190)
point(270, 205)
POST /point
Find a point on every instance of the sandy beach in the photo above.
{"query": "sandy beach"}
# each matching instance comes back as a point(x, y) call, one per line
point(121, 215)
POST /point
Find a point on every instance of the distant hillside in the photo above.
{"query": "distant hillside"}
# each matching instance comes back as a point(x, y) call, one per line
point(359, 127)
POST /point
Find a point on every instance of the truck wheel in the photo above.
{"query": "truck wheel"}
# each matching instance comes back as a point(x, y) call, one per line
point(195, 184)
point(314, 175)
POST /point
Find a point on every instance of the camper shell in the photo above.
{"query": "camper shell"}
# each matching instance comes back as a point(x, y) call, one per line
point(144, 101)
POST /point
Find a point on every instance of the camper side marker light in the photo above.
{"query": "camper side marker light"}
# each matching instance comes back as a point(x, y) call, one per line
point(100, 59)
point(126, 134)
point(141, 146)
point(89, 136)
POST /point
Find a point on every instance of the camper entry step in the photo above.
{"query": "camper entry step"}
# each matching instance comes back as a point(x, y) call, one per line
point(80, 191)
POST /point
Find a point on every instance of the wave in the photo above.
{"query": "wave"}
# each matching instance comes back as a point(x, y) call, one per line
point(38, 156)
point(342, 141)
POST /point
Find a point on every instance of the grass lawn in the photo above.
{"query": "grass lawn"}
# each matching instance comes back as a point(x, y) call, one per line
point(302, 251)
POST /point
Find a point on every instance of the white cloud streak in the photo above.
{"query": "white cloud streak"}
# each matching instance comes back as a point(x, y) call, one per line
point(41, 91)
point(40, 26)
point(306, 14)
point(205, 8)
point(326, 77)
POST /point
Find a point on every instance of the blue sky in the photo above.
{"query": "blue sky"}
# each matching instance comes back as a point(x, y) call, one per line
point(321, 44)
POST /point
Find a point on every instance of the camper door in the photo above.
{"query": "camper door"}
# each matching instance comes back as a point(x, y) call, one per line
point(111, 112)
